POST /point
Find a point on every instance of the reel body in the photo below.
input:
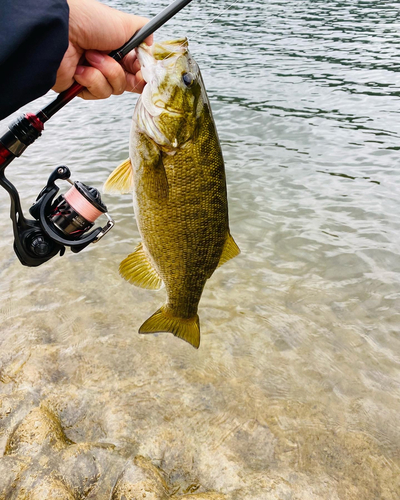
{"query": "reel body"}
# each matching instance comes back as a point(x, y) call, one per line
point(57, 223)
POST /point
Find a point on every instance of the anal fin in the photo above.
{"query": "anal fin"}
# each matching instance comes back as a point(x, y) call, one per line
point(121, 179)
point(138, 270)
point(229, 250)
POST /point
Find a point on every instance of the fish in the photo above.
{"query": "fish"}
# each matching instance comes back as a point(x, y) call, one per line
point(176, 172)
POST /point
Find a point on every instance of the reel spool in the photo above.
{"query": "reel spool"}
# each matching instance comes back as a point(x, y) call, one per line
point(77, 209)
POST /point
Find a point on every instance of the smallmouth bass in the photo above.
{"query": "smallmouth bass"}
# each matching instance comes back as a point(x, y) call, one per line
point(176, 173)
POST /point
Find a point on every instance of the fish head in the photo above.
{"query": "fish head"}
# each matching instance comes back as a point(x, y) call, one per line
point(173, 96)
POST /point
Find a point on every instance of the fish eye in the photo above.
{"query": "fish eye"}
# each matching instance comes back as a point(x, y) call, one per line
point(187, 79)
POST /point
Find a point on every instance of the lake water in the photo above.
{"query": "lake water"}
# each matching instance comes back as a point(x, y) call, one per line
point(295, 390)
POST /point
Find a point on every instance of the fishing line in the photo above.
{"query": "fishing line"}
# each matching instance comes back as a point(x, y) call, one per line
point(205, 26)
point(216, 17)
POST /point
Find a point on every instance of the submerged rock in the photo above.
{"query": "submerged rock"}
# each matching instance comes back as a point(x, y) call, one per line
point(11, 469)
point(140, 479)
point(41, 463)
point(39, 428)
point(202, 496)
point(46, 488)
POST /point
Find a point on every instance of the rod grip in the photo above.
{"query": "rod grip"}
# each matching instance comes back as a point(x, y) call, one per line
point(60, 101)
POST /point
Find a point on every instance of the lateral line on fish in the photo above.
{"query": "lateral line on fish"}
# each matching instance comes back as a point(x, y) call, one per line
point(205, 26)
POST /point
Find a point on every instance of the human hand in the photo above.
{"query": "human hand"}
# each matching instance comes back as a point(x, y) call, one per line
point(94, 30)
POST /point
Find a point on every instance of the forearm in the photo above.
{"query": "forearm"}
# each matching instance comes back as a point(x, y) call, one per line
point(33, 40)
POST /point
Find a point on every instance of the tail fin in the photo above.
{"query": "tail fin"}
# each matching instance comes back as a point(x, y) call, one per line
point(185, 329)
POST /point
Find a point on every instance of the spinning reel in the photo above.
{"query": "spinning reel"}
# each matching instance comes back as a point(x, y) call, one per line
point(57, 221)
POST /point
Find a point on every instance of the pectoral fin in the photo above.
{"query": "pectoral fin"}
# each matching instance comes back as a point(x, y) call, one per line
point(229, 250)
point(156, 182)
point(121, 180)
point(186, 329)
point(138, 270)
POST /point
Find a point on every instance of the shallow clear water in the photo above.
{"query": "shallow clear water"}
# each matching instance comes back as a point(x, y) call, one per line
point(295, 390)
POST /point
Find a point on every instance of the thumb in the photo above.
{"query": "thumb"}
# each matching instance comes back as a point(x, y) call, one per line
point(93, 25)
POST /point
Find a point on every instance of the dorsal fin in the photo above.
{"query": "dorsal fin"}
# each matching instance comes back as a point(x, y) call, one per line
point(138, 270)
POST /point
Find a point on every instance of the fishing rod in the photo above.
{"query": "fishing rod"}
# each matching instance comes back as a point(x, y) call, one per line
point(66, 220)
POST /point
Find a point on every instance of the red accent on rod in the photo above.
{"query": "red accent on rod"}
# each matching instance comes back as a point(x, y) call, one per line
point(5, 154)
point(72, 92)
point(35, 121)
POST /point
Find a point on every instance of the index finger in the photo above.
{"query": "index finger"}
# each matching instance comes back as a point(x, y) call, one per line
point(149, 40)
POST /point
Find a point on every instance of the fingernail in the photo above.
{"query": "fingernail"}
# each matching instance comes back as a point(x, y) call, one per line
point(79, 70)
point(95, 57)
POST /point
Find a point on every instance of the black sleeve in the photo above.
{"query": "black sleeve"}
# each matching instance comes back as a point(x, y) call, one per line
point(33, 40)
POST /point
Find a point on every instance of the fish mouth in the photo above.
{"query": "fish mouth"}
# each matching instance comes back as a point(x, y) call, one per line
point(161, 51)
point(157, 107)
point(146, 60)
point(146, 123)
point(155, 61)
point(152, 73)
point(167, 51)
